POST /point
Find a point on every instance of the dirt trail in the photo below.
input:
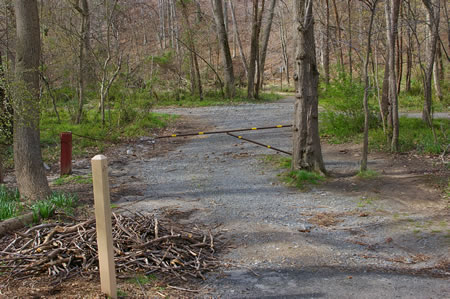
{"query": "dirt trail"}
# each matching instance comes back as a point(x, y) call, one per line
point(346, 238)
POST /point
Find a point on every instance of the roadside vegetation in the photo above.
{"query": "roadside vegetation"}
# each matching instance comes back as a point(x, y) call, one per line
point(12, 205)
point(342, 119)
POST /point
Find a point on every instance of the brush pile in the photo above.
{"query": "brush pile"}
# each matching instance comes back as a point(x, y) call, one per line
point(141, 244)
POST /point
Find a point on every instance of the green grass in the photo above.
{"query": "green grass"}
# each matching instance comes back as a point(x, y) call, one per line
point(366, 201)
point(301, 178)
point(343, 118)
point(367, 174)
point(211, 98)
point(412, 101)
point(10, 205)
point(118, 127)
point(142, 279)
point(73, 179)
point(278, 161)
point(415, 135)
point(56, 201)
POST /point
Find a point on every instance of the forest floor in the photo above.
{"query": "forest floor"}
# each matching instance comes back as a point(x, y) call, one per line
point(348, 237)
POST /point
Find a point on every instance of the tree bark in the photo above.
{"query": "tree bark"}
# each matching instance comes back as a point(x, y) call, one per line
point(433, 11)
point(265, 42)
point(409, 56)
point(224, 48)
point(365, 151)
point(254, 45)
point(350, 62)
point(437, 71)
point(392, 9)
point(284, 46)
point(326, 48)
point(307, 153)
point(83, 70)
point(31, 179)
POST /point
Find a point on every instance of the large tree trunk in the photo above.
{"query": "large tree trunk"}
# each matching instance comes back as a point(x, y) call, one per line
point(224, 48)
point(254, 45)
point(265, 43)
point(392, 9)
point(307, 153)
point(83, 70)
point(29, 169)
point(433, 11)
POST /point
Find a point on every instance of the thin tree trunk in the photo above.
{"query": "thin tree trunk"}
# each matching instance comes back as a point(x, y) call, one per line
point(257, 60)
point(392, 9)
point(196, 69)
point(400, 53)
point(253, 52)
point(433, 11)
point(284, 45)
point(437, 70)
point(409, 53)
point(83, 68)
point(338, 34)
point(265, 42)
point(365, 151)
point(350, 62)
point(307, 153)
point(224, 48)
point(30, 173)
point(241, 51)
point(326, 56)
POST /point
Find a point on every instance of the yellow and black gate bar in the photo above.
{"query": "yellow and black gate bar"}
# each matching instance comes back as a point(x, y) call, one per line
point(224, 131)
point(260, 144)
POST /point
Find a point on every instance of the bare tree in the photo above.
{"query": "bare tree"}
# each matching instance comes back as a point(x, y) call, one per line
point(372, 7)
point(326, 46)
point(265, 43)
point(238, 38)
point(338, 34)
point(307, 153)
point(284, 45)
point(224, 48)
point(29, 169)
point(108, 78)
point(196, 82)
point(433, 13)
point(254, 49)
point(392, 10)
point(83, 69)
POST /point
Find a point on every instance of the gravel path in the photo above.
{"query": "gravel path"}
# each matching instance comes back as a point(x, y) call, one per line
point(220, 181)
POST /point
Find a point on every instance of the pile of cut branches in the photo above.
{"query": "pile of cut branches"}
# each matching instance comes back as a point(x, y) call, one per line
point(141, 244)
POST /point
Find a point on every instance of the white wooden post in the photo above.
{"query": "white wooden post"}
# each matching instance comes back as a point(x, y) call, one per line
point(103, 225)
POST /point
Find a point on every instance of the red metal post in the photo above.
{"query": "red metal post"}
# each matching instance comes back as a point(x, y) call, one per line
point(66, 153)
